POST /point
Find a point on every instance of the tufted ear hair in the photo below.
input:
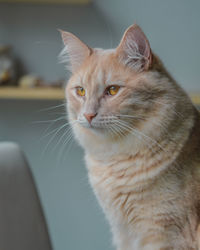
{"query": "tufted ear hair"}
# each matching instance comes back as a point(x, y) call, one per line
point(75, 51)
point(134, 49)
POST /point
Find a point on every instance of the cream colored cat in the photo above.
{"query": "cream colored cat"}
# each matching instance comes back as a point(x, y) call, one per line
point(141, 136)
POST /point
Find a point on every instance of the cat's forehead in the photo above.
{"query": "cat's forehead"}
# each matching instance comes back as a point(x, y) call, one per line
point(99, 68)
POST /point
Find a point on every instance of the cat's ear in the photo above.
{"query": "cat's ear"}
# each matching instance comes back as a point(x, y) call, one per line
point(134, 49)
point(75, 51)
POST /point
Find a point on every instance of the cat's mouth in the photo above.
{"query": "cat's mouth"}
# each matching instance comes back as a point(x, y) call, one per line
point(99, 124)
point(117, 124)
point(94, 125)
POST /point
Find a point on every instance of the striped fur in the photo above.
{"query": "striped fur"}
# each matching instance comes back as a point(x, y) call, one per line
point(142, 149)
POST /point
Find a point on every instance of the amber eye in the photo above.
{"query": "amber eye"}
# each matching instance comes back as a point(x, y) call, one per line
point(80, 91)
point(112, 90)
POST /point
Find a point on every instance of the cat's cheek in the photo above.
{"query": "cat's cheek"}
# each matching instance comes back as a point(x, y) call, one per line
point(80, 135)
point(71, 113)
point(73, 109)
point(73, 101)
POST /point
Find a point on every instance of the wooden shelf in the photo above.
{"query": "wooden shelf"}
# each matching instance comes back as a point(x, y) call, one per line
point(195, 98)
point(31, 93)
point(82, 2)
point(49, 94)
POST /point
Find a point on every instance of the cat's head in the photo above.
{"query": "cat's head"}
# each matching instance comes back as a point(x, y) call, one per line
point(114, 93)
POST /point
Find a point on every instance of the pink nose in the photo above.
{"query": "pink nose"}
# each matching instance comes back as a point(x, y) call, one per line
point(90, 116)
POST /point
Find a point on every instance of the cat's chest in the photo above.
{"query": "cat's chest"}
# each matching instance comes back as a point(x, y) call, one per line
point(137, 199)
point(127, 196)
point(124, 188)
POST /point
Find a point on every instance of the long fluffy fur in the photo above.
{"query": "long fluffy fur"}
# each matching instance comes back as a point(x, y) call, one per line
point(142, 149)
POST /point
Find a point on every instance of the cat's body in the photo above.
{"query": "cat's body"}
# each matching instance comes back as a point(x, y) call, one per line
point(142, 144)
point(145, 210)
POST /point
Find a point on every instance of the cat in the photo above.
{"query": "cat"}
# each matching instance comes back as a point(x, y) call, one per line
point(141, 137)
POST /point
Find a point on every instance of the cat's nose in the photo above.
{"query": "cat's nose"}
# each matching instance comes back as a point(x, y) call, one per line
point(90, 116)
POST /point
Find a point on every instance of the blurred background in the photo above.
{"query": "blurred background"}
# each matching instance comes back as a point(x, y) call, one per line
point(32, 111)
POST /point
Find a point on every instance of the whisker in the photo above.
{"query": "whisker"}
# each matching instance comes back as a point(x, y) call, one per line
point(144, 136)
point(131, 129)
point(139, 137)
point(113, 131)
point(178, 114)
point(57, 130)
point(67, 142)
point(55, 120)
point(51, 132)
point(60, 139)
point(165, 130)
point(50, 125)
point(132, 116)
point(58, 113)
point(155, 122)
point(119, 131)
point(53, 107)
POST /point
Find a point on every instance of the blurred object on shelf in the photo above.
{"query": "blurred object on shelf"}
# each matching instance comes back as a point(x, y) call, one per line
point(31, 81)
point(7, 66)
point(57, 84)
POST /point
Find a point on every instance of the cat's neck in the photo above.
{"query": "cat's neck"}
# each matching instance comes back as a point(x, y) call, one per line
point(106, 152)
point(159, 155)
point(139, 157)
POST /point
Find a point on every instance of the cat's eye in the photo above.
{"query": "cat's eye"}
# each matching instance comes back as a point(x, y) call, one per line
point(80, 91)
point(112, 90)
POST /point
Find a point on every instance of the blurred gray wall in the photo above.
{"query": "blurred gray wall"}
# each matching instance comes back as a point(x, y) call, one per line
point(32, 31)
point(172, 27)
